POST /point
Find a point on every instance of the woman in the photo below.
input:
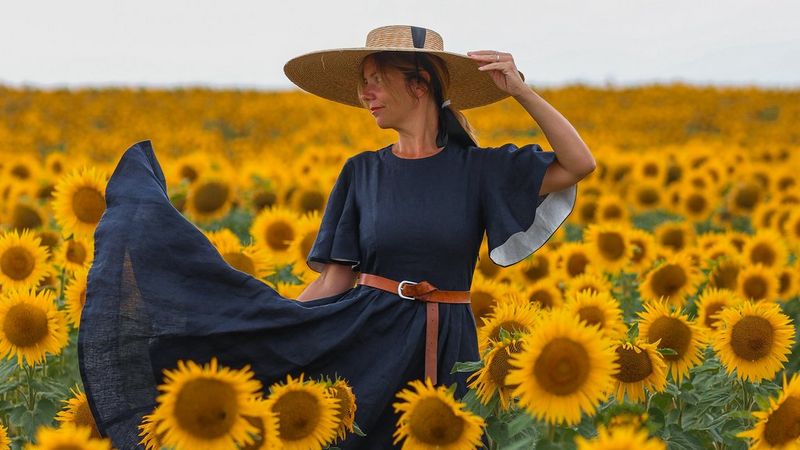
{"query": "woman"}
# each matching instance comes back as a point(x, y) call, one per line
point(403, 224)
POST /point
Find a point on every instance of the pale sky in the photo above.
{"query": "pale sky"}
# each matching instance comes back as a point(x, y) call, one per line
point(238, 43)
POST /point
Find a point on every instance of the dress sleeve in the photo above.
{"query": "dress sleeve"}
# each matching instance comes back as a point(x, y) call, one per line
point(337, 239)
point(518, 220)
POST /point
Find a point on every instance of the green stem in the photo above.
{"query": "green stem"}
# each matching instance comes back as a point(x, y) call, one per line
point(31, 400)
point(551, 432)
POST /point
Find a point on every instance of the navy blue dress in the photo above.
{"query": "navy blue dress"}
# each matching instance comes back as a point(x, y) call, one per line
point(158, 291)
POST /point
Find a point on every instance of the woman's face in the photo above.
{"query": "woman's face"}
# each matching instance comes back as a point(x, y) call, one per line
point(389, 111)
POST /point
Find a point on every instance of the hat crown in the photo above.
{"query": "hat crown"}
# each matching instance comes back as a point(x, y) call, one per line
point(404, 36)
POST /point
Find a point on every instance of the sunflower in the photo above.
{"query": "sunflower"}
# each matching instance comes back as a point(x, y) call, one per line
point(589, 281)
point(67, 436)
point(511, 316)
point(303, 415)
point(77, 412)
point(641, 367)
point(644, 245)
point(612, 208)
point(776, 428)
point(537, 266)
point(308, 196)
point(670, 329)
point(544, 293)
point(275, 229)
point(754, 340)
point(711, 302)
point(574, 259)
point(484, 295)
point(252, 260)
point(75, 296)
point(491, 378)
point(23, 167)
point(620, 438)
point(346, 414)
point(5, 443)
point(696, 204)
point(675, 236)
point(565, 368)
point(210, 197)
point(718, 252)
point(307, 229)
point(30, 325)
point(23, 260)
point(646, 195)
point(432, 419)
point(204, 406)
point(757, 282)
point(79, 200)
point(744, 196)
point(725, 274)
point(600, 309)
point(26, 214)
point(76, 253)
point(766, 247)
point(608, 246)
point(673, 280)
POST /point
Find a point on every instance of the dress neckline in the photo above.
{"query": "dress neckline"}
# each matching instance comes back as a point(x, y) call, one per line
point(391, 154)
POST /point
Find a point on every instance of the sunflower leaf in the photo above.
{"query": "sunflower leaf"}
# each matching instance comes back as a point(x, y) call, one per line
point(357, 431)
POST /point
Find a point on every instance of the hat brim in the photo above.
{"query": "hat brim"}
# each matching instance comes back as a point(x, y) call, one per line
point(334, 75)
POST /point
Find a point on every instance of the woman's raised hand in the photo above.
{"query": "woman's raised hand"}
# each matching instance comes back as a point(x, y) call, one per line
point(502, 69)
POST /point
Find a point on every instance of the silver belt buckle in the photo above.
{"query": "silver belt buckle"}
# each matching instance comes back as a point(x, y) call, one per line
point(400, 289)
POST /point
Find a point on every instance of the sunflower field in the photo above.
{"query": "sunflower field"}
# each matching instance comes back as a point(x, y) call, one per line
point(662, 314)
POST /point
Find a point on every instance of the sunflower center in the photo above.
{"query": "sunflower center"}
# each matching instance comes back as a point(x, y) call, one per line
point(543, 298)
point(264, 199)
point(540, 269)
point(696, 203)
point(25, 325)
point(76, 252)
point(88, 204)
point(755, 287)
point(674, 239)
point(751, 338)
point(206, 408)
point(783, 425)
point(189, 173)
point(511, 326)
point(712, 309)
point(17, 263)
point(279, 235)
point(499, 367)
point(633, 366)
point(434, 423)
point(482, 304)
point(648, 196)
point(562, 367)
point(210, 197)
point(747, 196)
point(298, 415)
point(638, 250)
point(764, 254)
point(611, 245)
point(576, 264)
point(240, 261)
point(24, 216)
point(312, 201)
point(725, 276)
point(668, 280)
point(592, 315)
point(673, 333)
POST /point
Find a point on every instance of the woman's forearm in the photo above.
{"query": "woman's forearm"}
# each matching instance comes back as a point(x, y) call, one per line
point(571, 151)
point(335, 279)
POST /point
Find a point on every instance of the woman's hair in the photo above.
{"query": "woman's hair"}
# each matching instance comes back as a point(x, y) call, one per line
point(410, 64)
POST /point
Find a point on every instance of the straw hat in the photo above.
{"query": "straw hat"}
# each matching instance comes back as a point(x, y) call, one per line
point(334, 74)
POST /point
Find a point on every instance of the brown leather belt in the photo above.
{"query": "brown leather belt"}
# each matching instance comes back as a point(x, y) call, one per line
point(425, 292)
